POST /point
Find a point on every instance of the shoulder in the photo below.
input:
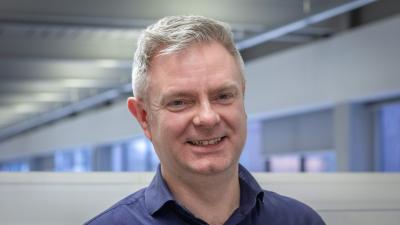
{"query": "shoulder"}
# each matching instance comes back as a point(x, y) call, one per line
point(291, 209)
point(127, 209)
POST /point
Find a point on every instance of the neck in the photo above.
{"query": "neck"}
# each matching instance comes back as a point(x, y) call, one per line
point(212, 198)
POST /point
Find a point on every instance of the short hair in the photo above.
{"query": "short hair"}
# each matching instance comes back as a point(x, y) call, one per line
point(173, 34)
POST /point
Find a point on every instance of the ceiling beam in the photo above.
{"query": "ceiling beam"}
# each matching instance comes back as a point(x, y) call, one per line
point(300, 24)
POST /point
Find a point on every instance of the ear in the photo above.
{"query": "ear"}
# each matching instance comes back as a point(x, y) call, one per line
point(137, 109)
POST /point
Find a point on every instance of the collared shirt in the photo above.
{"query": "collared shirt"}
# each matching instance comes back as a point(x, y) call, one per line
point(155, 205)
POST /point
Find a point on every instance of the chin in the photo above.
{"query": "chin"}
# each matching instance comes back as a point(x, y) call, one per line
point(211, 167)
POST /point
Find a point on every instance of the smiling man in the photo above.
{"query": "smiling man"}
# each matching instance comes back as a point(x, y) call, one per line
point(189, 100)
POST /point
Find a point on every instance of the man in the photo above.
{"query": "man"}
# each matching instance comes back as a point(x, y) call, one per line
point(189, 100)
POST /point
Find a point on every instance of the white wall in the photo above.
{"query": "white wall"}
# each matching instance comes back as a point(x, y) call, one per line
point(72, 198)
point(97, 126)
point(358, 65)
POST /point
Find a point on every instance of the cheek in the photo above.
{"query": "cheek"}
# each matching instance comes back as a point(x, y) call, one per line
point(171, 126)
point(236, 117)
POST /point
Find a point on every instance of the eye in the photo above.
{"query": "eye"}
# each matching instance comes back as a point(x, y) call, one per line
point(177, 104)
point(226, 97)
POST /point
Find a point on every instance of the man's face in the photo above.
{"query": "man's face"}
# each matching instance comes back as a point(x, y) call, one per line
point(194, 111)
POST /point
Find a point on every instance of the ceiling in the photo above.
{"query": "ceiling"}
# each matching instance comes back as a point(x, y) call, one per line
point(59, 58)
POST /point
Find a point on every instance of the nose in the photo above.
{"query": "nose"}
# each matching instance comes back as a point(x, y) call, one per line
point(206, 116)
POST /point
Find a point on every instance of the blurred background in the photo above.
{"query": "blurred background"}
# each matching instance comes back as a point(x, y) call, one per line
point(323, 83)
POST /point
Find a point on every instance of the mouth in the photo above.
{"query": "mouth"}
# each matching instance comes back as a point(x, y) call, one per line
point(213, 141)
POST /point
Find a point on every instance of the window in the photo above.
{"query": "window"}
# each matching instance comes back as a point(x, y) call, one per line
point(140, 155)
point(75, 160)
point(285, 163)
point(252, 156)
point(389, 137)
point(313, 161)
point(15, 166)
point(42, 163)
point(319, 161)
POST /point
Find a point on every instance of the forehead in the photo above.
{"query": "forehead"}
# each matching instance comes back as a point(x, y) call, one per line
point(207, 60)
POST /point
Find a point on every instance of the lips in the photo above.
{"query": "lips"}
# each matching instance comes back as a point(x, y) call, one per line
point(213, 141)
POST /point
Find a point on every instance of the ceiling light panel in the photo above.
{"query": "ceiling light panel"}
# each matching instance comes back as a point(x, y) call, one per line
point(34, 97)
point(55, 84)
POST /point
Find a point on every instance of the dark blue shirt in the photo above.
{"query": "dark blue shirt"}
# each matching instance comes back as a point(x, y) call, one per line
point(155, 205)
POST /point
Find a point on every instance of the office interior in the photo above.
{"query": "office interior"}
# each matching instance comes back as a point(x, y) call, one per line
point(322, 98)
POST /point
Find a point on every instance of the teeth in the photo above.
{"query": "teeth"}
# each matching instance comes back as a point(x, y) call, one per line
point(206, 142)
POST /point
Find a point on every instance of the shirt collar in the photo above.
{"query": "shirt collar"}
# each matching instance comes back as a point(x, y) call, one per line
point(157, 194)
point(250, 190)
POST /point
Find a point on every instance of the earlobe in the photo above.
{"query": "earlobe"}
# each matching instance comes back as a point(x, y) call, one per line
point(137, 109)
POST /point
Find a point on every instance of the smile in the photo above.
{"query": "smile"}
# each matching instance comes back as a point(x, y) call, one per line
point(206, 142)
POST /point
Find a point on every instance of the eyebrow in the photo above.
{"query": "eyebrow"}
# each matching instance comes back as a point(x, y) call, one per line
point(227, 87)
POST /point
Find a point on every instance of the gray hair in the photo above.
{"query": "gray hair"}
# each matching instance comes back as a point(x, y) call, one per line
point(173, 34)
